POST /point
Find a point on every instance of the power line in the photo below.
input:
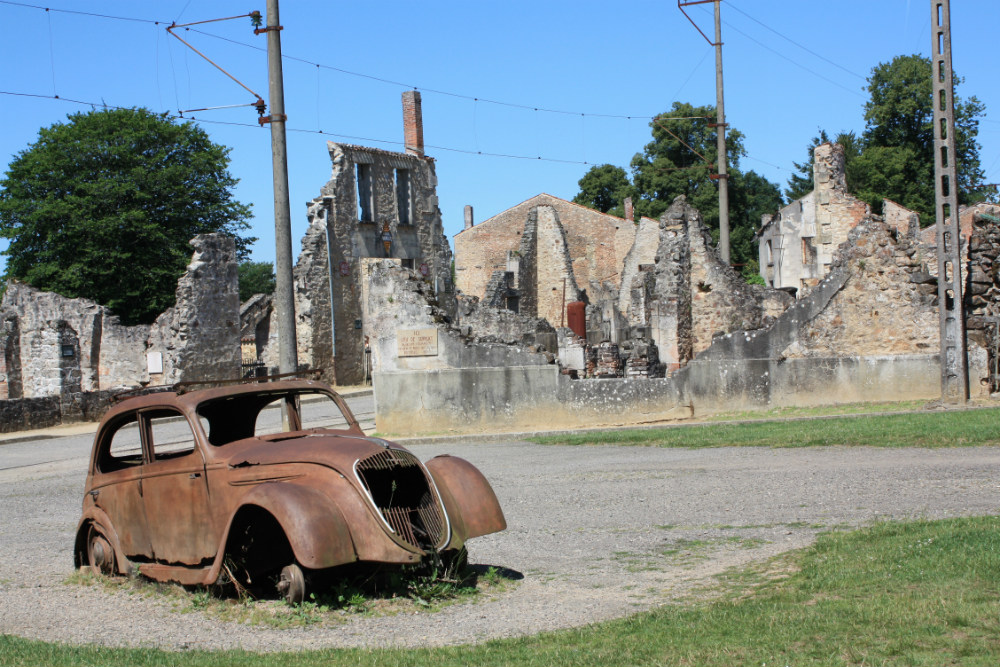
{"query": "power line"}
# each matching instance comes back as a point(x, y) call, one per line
point(791, 60)
point(526, 107)
point(535, 158)
point(789, 39)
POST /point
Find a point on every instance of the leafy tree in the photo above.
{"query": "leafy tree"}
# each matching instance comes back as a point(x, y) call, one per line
point(667, 168)
point(604, 188)
point(897, 159)
point(256, 278)
point(103, 207)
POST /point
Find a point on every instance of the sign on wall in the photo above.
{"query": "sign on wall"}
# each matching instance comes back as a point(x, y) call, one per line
point(417, 342)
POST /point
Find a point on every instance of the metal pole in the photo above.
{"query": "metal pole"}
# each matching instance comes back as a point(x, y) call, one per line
point(283, 293)
point(954, 360)
point(720, 133)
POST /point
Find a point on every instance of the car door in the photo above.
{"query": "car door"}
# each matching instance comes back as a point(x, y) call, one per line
point(117, 488)
point(175, 491)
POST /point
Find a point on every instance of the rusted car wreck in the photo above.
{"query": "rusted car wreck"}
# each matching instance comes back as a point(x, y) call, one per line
point(266, 482)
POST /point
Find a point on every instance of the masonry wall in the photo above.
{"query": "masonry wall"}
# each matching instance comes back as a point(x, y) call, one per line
point(641, 253)
point(597, 244)
point(797, 245)
point(71, 349)
point(397, 194)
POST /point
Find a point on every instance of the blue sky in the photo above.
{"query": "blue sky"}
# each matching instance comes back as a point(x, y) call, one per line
point(791, 67)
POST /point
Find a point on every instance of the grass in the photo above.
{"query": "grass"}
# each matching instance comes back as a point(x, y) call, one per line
point(965, 428)
point(374, 591)
point(918, 593)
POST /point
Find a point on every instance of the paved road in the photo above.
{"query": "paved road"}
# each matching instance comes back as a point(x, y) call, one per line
point(596, 532)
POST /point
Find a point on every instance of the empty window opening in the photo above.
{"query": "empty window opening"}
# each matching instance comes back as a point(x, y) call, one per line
point(366, 202)
point(404, 198)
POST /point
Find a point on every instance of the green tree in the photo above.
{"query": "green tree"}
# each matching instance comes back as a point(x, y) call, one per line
point(680, 160)
point(604, 188)
point(897, 159)
point(103, 207)
point(256, 278)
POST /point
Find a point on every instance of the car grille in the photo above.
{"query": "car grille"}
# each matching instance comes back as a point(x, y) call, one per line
point(396, 482)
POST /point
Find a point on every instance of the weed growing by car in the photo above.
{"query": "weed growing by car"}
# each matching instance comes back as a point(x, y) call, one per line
point(358, 589)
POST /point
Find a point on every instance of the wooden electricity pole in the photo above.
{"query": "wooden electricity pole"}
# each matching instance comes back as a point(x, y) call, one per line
point(720, 124)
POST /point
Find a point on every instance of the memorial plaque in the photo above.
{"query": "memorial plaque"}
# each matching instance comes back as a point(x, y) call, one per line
point(417, 342)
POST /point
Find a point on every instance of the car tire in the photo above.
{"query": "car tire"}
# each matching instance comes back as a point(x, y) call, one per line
point(100, 554)
point(292, 584)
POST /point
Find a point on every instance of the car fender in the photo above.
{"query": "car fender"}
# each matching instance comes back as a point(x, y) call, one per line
point(468, 498)
point(316, 529)
point(96, 516)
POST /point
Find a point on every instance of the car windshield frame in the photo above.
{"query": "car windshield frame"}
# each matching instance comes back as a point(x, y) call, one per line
point(230, 418)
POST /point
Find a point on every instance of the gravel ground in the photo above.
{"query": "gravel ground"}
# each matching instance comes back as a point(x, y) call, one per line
point(588, 528)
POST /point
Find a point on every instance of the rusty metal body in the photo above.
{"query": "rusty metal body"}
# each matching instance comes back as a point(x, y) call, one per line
point(178, 482)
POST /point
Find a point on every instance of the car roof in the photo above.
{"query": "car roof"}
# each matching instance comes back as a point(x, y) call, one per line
point(189, 400)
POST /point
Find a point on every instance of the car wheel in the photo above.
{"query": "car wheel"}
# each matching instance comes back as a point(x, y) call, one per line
point(292, 584)
point(100, 555)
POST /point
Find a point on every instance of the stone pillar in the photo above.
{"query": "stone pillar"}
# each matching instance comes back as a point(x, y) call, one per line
point(629, 210)
point(413, 123)
point(468, 217)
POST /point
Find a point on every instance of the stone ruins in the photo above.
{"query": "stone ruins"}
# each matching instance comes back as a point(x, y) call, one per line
point(61, 358)
point(561, 316)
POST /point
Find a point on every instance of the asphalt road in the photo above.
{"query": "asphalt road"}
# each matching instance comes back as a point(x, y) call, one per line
point(596, 532)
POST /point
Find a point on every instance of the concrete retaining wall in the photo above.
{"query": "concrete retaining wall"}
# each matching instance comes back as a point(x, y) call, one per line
point(470, 400)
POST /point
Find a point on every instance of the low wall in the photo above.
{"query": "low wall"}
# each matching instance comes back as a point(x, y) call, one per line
point(471, 400)
point(22, 414)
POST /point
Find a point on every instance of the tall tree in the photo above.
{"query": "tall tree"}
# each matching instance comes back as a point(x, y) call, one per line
point(897, 160)
point(604, 187)
point(103, 206)
point(256, 278)
point(679, 161)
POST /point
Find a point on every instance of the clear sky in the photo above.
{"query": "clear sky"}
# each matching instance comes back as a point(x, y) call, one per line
point(573, 83)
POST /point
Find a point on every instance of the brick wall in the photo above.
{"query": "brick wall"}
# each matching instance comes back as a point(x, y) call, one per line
point(597, 244)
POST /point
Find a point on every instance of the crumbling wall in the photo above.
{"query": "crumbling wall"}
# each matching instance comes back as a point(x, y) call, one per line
point(55, 345)
point(642, 253)
point(396, 196)
point(696, 296)
point(200, 336)
point(982, 302)
point(597, 244)
point(556, 284)
point(403, 307)
point(797, 244)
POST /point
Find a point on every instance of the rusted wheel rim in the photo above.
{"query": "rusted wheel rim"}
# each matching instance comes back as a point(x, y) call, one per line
point(292, 584)
point(100, 555)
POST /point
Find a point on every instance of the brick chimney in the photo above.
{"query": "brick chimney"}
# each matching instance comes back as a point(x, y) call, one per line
point(468, 217)
point(629, 211)
point(413, 123)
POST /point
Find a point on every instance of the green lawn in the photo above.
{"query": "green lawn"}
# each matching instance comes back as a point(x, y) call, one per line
point(919, 593)
point(962, 428)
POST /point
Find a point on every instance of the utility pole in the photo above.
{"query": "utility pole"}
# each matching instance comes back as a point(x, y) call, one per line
point(284, 289)
point(720, 133)
point(720, 123)
point(951, 312)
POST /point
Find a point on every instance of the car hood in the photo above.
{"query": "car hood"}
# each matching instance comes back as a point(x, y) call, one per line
point(338, 451)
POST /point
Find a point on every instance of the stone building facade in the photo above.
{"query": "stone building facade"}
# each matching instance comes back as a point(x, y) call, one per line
point(377, 205)
point(596, 244)
point(51, 345)
point(797, 244)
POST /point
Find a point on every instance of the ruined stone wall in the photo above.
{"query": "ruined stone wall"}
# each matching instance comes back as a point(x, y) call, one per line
point(882, 308)
point(642, 253)
point(55, 346)
point(798, 243)
point(903, 220)
point(982, 302)
point(696, 296)
point(556, 284)
point(345, 234)
point(597, 244)
point(399, 302)
point(200, 336)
